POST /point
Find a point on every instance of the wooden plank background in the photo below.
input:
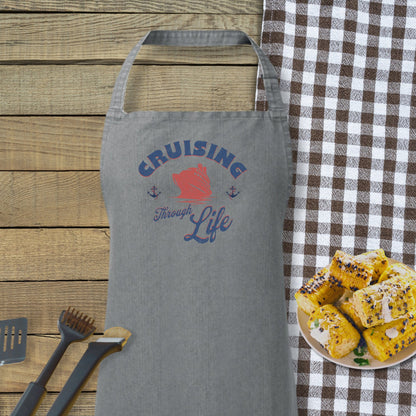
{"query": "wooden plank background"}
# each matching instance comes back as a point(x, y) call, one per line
point(58, 64)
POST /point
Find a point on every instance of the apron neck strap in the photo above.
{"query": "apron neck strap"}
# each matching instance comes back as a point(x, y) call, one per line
point(199, 38)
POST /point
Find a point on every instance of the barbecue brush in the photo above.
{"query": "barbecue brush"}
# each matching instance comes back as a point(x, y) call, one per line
point(73, 326)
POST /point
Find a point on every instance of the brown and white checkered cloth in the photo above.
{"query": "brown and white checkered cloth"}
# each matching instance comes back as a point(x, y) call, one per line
point(347, 73)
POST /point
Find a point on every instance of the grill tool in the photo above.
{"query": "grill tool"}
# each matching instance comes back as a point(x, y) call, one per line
point(13, 335)
point(73, 326)
point(114, 340)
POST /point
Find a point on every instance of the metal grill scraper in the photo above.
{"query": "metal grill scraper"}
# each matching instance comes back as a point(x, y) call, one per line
point(13, 334)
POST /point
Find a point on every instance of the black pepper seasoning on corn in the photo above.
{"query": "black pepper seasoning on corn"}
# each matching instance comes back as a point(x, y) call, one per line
point(399, 270)
point(384, 341)
point(392, 299)
point(347, 308)
point(377, 259)
point(320, 290)
point(353, 274)
point(353, 284)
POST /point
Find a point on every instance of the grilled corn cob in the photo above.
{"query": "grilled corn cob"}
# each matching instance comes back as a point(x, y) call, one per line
point(397, 269)
point(317, 291)
point(377, 259)
point(333, 331)
point(347, 308)
point(351, 273)
point(384, 302)
point(386, 340)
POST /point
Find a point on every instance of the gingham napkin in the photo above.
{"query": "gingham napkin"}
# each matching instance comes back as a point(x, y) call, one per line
point(347, 73)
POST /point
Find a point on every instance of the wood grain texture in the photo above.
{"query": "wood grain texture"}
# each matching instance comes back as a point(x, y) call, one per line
point(57, 73)
point(16, 377)
point(42, 302)
point(87, 89)
point(52, 199)
point(54, 254)
point(75, 37)
point(84, 406)
point(137, 6)
point(50, 143)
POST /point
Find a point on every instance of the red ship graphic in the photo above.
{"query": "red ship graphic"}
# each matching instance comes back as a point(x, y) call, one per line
point(194, 184)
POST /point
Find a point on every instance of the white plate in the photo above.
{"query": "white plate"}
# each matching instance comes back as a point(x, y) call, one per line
point(348, 360)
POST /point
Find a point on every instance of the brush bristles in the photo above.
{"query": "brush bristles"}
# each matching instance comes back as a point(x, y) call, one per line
point(77, 321)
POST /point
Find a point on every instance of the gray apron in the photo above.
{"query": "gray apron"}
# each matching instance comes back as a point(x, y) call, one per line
point(196, 202)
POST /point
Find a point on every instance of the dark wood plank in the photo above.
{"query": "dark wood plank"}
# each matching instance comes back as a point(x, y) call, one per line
point(15, 377)
point(75, 37)
point(45, 254)
point(50, 143)
point(137, 6)
point(51, 199)
point(84, 406)
point(42, 302)
point(87, 89)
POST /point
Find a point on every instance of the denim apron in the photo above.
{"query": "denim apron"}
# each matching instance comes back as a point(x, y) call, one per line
point(195, 203)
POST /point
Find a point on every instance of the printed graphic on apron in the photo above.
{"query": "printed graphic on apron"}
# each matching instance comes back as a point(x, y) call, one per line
point(154, 193)
point(194, 184)
point(194, 188)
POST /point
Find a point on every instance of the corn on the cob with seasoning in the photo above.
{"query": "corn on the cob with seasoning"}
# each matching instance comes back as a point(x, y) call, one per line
point(384, 341)
point(384, 302)
point(351, 273)
point(377, 259)
point(399, 270)
point(317, 291)
point(333, 331)
point(347, 308)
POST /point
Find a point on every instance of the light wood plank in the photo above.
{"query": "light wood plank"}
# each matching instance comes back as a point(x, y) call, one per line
point(86, 89)
point(53, 199)
point(54, 254)
point(16, 377)
point(42, 302)
point(50, 143)
point(137, 6)
point(84, 406)
point(74, 37)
